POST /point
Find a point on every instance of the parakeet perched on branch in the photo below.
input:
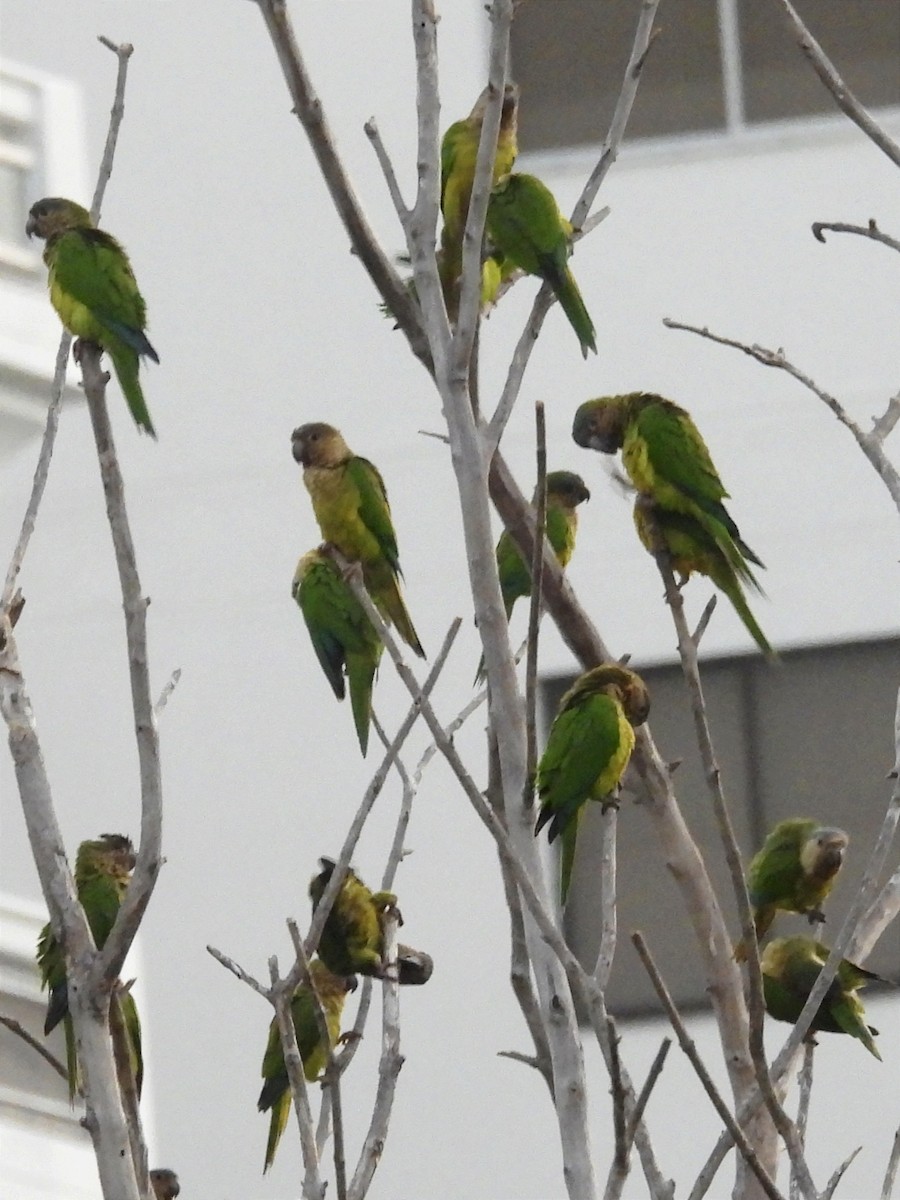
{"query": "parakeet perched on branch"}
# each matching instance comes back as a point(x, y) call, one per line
point(524, 223)
point(276, 1092)
point(93, 289)
point(351, 942)
point(351, 506)
point(102, 873)
point(680, 508)
point(793, 872)
point(790, 968)
point(588, 749)
point(459, 152)
point(565, 491)
point(343, 637)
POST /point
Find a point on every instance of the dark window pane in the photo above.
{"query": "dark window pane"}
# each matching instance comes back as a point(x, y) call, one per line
point(569, 58)
point(861, 37)
point(811, 737)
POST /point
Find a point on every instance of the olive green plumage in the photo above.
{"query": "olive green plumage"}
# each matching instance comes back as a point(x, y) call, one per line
point(793, 872)
point(459, 153)
point(343, 637)
point(680, 507)
point(790, 968)
point(351, 507)
point(524, 223)
point(93, 289)
point(276, 1093)
point(565, 491)
point(102, 873)
point(588, 749)
point(351, 942)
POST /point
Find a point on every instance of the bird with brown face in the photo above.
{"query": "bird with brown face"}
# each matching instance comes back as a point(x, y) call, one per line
point(93, 289)
point(794, 871)
point(351, 506)
point(165, 1183)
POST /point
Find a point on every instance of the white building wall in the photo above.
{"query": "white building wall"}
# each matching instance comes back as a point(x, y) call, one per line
point(263, 320)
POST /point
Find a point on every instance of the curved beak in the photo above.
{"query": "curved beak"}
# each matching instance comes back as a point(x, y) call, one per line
point(31, 226)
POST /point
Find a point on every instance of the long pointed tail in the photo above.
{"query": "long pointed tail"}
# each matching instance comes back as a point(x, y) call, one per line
point(126, 362)
point(570, 300)
point(398, 613)
point(732, 590)
point(361, 675)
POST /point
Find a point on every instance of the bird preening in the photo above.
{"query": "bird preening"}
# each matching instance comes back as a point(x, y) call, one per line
point(93, 289)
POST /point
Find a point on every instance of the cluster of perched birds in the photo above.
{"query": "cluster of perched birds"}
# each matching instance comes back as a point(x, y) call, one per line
point(679, 514)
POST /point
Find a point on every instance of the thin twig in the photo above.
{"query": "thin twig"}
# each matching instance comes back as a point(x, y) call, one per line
point(606, 868)
point(620, 1154)
point(238, 971)
point(534, 608)
point(882, 426)
point(887, 1188)
point(705, 618)
point(832, 1184)
point(869, 231)
point(846, 101)
point(388, 1068)
point(19, 1030)
point(869, 443)
point(42, 470)
point(748, 1153)
point(149, 856)
point(649, 1084)
point(805, 1080)
point(167, 692)
point(373, 133)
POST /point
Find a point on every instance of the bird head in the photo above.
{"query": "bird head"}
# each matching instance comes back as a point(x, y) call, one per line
point(822, 854)
point(567, 488)
point(54, 215)
point(318, 445)
point(600, 424)
point(165, 1183)
point(510, 104)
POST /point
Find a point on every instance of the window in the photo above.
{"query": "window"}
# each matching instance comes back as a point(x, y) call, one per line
point(20, 117)
point(717, 65)
point(810, 737)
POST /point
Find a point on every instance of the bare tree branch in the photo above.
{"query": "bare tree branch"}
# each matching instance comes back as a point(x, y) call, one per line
point(846, 101)
point(687, 1045)
point(29, 1039)
point(832, 1184)
point(869, 443)
point(534, 607)
point(806, 1078)
point(870, 230)
point(887, 1187)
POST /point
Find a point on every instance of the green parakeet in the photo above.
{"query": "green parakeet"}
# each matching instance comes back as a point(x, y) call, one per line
point(351, 942)
point(351, 506)
point(565, 491)
point(793, 872)
point(102, 874)
point(680, 505)
point(588, 749)
point(276, 1092)
point(459, 153)
point(93, 289)
point(524, 223)
point(343, 637)
point(165, 1183)
point(790, 968)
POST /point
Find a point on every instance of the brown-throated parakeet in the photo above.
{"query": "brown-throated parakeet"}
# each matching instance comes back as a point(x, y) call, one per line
point(524, 223)
point(565, 491)
point(459, 152)
point(793, 872)
point(102, 873)
point(351, 506)
point(691, 546)
point(165, 1183)
point(93, 289)
point(343, 637)
point(351, 941)
point(680, 507)
point(587, 751)
point(276, 1092)
point(790, 968)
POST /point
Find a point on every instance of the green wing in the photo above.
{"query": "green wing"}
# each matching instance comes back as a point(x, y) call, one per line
point(374, 511)
point(775, 871)
point(582, 744)
point(525, 224)
point(91, 267)
point(678, 455)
